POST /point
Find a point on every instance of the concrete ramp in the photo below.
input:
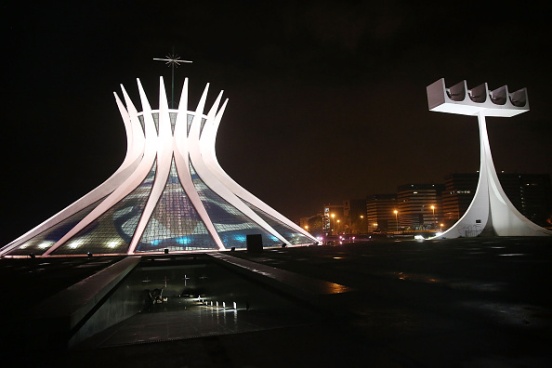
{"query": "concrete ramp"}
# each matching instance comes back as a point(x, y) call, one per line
point(66, 315)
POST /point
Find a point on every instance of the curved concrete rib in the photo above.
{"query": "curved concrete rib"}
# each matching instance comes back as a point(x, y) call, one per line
point(208, 144)
point(182, 162)
point(131, 183)
point(133, 156)
point(164, 147)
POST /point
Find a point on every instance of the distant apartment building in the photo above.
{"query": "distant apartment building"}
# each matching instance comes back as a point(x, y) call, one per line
point(457, 196)
point(419, 206)
point(379, 211)
point(314, 224)
point(531, 194)
point(354, 213)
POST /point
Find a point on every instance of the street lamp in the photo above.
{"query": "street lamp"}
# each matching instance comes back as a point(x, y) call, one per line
point(396, 219)
point(433, 209)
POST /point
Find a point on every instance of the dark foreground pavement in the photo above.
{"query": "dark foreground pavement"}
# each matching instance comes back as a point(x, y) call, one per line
point(479, 302)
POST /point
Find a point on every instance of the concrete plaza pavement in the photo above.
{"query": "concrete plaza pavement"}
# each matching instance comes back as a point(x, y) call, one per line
point(475, 302)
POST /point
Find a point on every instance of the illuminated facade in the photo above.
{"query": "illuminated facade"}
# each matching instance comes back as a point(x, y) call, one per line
point(169, 194)
point(490, 211)
point(418, 205)
point(379, 208)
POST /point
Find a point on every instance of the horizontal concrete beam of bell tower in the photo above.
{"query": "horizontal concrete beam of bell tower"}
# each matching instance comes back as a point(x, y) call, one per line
point(458, 99)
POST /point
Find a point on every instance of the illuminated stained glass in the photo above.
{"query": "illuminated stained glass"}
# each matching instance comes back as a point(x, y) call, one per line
point(231, 224)
point(112, 231)
point(142, 123)
point(175, 223)
point(42, 242)
point(172, 117)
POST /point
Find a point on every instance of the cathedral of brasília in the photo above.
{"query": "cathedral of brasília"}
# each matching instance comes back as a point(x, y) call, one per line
point(169, 194)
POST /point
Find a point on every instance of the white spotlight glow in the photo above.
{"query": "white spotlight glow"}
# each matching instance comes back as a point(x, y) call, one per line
point(113, 244)
point(75, 244)
point(45, 244)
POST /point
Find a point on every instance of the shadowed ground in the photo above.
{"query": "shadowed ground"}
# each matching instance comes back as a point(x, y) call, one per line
point(478, 302)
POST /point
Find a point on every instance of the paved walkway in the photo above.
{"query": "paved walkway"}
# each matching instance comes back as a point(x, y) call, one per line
point(187, 317)
point(196, 321)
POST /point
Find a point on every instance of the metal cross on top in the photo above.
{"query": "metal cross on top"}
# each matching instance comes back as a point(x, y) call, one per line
point(172, 60)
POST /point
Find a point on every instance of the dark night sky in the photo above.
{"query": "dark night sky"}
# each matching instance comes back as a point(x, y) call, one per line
point(327, 98)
